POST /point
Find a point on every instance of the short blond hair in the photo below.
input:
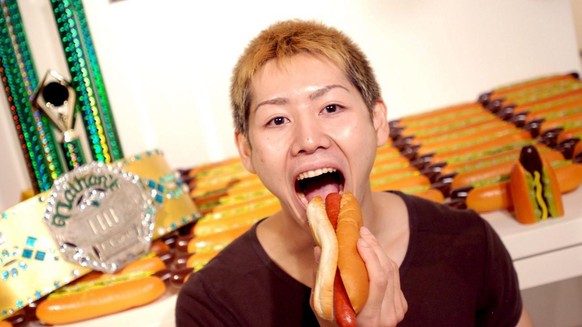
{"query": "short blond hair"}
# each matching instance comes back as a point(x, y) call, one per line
point(285, 39)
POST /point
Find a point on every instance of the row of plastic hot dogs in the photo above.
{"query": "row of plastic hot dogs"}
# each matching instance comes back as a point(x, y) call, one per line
point(479, 183)
point(468, 150)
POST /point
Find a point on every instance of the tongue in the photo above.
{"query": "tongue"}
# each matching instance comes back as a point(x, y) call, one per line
point(322, 186)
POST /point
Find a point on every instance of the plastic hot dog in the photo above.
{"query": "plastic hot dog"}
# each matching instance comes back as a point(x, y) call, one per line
point(575, 132)
point(534, 188)
point(340, 263)
point(538, 92)
point(504, 156)
point(497, 196)
point(472, 177)
point(502, 92)
point(100, 297)
point(438, 115)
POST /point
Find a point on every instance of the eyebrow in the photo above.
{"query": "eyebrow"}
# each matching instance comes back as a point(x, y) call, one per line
point(320, 92)
point(275, 101)
point(314, 95)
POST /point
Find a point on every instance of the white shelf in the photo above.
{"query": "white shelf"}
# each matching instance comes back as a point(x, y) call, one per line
point(547, 251)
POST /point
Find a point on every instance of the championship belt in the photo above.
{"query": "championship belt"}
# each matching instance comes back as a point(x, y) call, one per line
point(97, 217)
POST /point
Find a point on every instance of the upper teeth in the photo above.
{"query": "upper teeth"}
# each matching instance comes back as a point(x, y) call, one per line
point(316, 172)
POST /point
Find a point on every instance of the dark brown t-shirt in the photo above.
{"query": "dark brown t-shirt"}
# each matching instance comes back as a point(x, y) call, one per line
point(456, 273)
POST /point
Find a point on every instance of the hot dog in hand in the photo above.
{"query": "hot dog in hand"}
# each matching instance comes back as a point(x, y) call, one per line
point(341, 285)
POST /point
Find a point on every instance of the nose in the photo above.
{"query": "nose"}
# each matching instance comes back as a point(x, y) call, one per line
point(309, 137)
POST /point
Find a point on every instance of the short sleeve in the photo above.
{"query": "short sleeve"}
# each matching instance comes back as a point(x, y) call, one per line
point(500, 300)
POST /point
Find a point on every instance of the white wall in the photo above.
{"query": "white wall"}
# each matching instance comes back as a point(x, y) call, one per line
point(167, 63)
point(577, 12)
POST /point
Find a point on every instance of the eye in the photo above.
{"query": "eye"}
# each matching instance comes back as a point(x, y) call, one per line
point(331, 108)
point(277, 121)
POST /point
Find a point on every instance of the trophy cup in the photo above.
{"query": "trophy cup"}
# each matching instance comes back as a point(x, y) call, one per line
point(56, 98)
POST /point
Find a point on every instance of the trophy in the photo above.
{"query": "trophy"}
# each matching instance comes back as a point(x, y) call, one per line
point(56, 98)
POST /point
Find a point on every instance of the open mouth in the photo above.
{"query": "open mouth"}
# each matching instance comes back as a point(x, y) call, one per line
point(322, 182)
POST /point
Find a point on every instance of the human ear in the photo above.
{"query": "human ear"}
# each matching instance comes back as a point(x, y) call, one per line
point(244, 151)
point(379, 118)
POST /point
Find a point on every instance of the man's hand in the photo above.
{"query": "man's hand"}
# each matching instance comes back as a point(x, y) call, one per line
point(386, 304)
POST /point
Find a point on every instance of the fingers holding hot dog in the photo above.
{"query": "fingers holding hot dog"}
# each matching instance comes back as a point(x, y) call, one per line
point(353, 275)
point(386, 304)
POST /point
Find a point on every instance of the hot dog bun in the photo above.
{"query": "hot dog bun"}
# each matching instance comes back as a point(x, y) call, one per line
point(338, 253)
point(324, 236)
point(351, 266)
